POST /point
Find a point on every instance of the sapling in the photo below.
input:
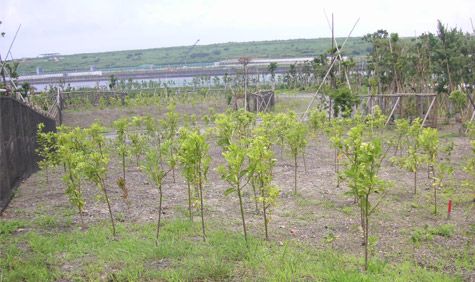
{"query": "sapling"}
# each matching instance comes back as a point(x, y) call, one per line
point(296, 139)
point(155, 171)
point(470, 168)
point(196, 159)
point(137, 138)
point(185, 158)
point(375, 122)
point(243, 123)
point(97, 163)
point(335, 134)
point(362, 174)
point(443, 171)
point(47, 149)
point(261, 163)
point(402, 128)
point(429, 141)
point(281, 125)
point(224, 129)
point(70, 144)
point(317, 121)
point(170, 125)
point(350, 147)
point(121, 127)
point(413, 159)
point(235, 173)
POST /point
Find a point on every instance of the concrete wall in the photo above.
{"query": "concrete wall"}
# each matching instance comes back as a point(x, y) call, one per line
point(18, 126)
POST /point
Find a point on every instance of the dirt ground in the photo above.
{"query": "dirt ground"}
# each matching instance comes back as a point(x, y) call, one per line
point(319, 211)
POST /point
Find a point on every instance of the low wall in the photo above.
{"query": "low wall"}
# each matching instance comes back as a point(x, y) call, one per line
point(18, 126)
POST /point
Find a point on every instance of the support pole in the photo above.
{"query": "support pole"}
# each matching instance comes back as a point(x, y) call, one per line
point(326, 75)
point(392, 111)
point(428, 111)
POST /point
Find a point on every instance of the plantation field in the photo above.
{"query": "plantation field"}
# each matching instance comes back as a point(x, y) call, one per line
point(315, 234)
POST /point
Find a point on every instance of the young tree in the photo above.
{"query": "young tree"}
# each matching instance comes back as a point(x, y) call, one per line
point(296, 139)
point(470, 168)
point(47, 149)
point(343, 101)
point(261, 163)
point(121, 127)
point(170, 126)
point(137, 138)
point(196, 159)
point(364, 161)
point(235, 173)
point(153, 167)
point(281, 125)
point(335, 134)
point(272, 67)
point(70, 148)
point(97, 163)
point(185, 158)
point(413, 159)
point(224, 129)
point(429, 141)
point(402, 128)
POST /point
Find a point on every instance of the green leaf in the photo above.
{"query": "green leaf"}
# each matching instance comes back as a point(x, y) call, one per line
point(229, 191)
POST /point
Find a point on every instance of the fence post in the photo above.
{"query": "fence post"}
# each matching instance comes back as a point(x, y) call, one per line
point(59, 102)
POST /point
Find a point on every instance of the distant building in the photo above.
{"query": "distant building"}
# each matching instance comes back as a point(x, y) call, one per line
point(49, 55)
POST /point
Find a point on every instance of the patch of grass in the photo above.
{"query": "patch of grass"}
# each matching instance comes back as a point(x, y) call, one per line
point(328, 204)
point(182, 256)
point(8, 227)
point(303, 201)
point(348, 210)
point(427, 233)
point(444, 230)
point(46, 221)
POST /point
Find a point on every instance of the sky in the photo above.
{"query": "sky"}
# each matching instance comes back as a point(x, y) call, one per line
point(85, 26)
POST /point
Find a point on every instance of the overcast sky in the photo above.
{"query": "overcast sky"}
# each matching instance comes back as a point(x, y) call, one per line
point(82, 26)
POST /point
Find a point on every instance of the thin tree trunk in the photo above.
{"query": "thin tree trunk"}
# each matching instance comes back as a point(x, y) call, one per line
point(189, 200)
point(337, 169)
point(200, 184)
point(173, 174)
point(366, 234)
point(242, 212)
point(81, 217)
point(295, 174)
point(108, 206)
point(415, 182)
point(159, 213)
point(264, 208)
point(123, 166)
point(253, 184)
point(47, 176)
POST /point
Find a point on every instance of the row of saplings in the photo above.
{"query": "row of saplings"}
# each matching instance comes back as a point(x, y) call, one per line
point(247, 141)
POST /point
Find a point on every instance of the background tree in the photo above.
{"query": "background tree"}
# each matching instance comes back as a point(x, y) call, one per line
point(271, 68)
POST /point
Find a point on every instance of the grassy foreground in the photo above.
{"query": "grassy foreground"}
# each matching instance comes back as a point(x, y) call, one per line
point(92, 254)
